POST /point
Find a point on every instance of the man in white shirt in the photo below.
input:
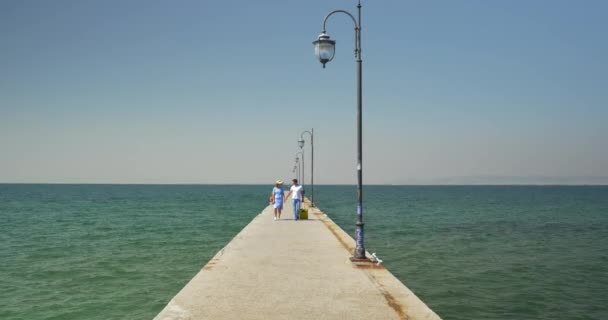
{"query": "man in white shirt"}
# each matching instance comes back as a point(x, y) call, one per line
point(298, 197)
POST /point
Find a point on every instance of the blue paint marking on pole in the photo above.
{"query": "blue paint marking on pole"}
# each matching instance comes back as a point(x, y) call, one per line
point(359, 209)
point(359, 237)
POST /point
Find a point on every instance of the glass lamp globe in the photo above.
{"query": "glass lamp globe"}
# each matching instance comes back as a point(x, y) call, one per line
point(324, 48)
point(301, 143)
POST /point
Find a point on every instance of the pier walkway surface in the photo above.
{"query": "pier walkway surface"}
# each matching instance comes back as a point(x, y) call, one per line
point(289, 269)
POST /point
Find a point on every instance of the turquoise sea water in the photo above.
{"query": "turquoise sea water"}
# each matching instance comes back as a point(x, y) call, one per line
point(470, 252)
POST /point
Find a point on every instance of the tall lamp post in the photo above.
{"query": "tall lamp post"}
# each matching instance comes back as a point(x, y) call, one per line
point(312, 162)
point(325, 50)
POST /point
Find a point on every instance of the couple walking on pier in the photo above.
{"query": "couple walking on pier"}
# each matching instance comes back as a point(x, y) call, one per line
point(278, 196)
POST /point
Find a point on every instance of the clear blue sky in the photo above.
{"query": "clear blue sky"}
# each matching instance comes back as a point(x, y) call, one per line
point(219, 91)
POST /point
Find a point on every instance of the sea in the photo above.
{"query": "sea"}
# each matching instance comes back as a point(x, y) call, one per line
point(469, 252)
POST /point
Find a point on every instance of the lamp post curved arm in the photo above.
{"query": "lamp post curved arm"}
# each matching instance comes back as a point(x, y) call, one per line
point(312, 162)
point(357, 29)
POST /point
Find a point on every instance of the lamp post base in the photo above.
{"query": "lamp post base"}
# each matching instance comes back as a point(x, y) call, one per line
point(356, 260)
point(365, 263)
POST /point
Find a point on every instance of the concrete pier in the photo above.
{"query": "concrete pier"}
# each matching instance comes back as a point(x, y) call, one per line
point(288, 269)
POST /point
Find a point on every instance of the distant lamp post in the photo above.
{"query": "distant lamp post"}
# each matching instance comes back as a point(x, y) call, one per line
point(325, 50)
point(312, 162)
point(295, 167)
point(302, 152)
point(299, 155)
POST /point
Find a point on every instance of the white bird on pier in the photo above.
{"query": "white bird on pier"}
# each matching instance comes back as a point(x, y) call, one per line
point(378, 260)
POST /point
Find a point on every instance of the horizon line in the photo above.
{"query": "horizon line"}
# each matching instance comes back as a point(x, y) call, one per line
point(319, 184)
